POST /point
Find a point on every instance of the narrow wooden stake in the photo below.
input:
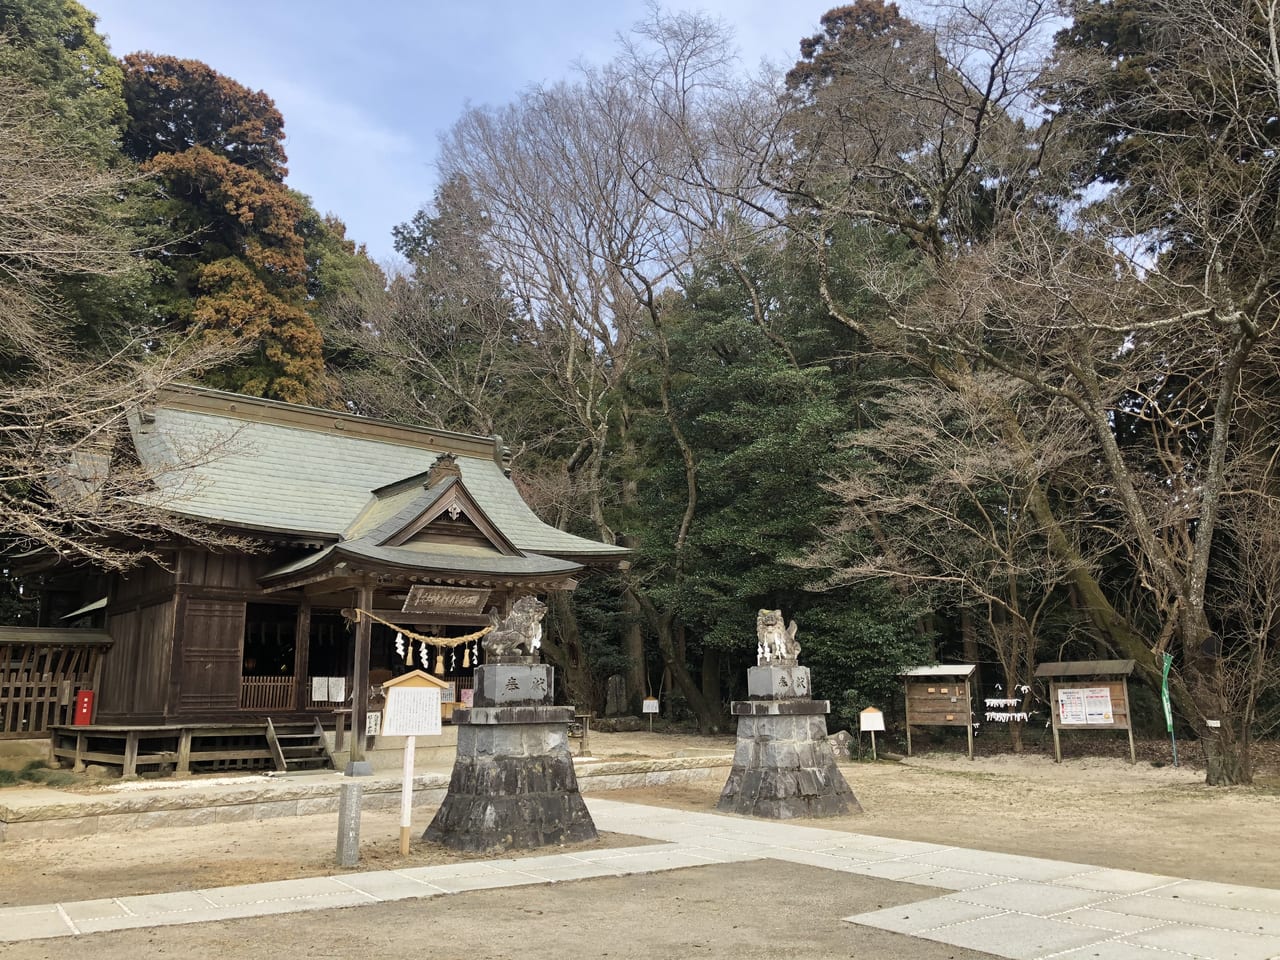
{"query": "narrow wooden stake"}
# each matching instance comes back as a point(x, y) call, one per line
point(873, 745)
point(406, 795)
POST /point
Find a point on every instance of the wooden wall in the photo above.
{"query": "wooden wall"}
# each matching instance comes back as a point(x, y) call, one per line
point(135, 672)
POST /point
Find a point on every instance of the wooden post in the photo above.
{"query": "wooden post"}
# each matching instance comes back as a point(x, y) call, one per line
point(906, 692)
point(968, 699)
point(78, 766)
point(358, 765)
point(1128, 716)
point(302, 657)
point(130, 755)
point(1053, 714)
point(184, 752)
point(406, 794)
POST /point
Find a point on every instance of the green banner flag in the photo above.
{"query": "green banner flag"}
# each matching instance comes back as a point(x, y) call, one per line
point(1164, 692)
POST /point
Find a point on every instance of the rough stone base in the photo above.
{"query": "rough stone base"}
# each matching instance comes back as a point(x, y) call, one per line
point(513, 787)
point(783, 768)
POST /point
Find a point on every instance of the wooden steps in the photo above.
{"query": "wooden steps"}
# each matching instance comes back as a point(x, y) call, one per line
point(298, 746)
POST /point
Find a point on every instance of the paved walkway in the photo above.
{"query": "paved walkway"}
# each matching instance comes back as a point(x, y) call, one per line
point(1010, 906)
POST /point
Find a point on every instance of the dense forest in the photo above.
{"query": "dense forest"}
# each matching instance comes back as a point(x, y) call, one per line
point(954, 340)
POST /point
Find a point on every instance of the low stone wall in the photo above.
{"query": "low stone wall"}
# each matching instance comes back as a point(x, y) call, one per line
point(47, 813)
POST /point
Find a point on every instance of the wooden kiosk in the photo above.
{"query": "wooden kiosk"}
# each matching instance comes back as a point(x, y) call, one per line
point(1089, 695)
point(940, 696)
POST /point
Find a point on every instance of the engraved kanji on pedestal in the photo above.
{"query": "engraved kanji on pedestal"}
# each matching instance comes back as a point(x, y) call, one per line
point(783, 766)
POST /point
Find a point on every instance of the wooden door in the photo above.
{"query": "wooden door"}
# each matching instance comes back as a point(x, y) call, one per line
point(212, 643)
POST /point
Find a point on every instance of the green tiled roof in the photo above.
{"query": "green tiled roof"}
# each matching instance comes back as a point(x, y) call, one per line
point(278, 467)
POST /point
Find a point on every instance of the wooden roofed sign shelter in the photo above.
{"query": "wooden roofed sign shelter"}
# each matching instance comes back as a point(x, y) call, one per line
point(940, 696)
point(1089, 695)
point(400, 528)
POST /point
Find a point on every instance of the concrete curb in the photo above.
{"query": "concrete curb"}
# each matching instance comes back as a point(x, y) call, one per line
point(51, 814)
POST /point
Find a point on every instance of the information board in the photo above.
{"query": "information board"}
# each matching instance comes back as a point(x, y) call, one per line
point(1082, 706)
point(411, 712)
point(650, 704)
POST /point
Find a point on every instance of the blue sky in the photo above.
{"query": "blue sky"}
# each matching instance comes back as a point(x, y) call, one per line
point(366, 89)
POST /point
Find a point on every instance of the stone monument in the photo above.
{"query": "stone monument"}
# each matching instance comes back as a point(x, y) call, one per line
point(783, 766)
point(513, 785)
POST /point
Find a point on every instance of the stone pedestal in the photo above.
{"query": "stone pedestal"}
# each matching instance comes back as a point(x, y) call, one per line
point(783, 766)
point(513, 785)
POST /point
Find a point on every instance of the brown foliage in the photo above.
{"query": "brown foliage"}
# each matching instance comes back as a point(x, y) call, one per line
point(236, 307)
point(177, 104)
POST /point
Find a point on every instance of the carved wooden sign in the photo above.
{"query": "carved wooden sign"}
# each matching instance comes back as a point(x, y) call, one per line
point(460, 600)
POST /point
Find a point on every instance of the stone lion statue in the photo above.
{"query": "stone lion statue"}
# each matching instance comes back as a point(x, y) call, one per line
point(775, 642)
point(520, 634)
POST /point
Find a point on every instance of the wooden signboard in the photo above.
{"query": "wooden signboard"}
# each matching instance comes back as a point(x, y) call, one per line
point(412, 707)
point(940, 696)
point(1089, 695)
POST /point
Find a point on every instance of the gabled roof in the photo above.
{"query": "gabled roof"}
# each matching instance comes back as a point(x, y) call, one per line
point(275, 467)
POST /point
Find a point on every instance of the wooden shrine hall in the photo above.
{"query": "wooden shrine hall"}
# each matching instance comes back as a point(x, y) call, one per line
point(358, 529)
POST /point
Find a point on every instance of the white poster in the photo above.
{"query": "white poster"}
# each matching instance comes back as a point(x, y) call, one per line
point(1097, 705)
point(337, 689)
point(1084, 706)
point(373, 723)
point(319, 689)
point(412, 712)
point(1071, 706)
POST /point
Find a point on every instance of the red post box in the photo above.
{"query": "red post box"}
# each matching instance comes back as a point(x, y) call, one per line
point(84, 709)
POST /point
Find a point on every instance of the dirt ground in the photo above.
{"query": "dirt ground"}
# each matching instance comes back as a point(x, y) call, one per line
point(1098, 811)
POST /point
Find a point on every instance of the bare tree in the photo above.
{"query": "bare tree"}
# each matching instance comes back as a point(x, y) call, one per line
point(66, 485)
point(950, 500)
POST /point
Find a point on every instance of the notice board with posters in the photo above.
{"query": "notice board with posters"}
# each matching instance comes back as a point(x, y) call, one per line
point(1088, 695)
point(940, 696)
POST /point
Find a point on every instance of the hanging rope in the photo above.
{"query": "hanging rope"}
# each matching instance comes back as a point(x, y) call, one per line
point(421, 638)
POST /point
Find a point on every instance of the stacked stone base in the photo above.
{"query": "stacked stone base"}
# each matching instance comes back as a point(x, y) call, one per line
point(783, 766)
point(513, 786)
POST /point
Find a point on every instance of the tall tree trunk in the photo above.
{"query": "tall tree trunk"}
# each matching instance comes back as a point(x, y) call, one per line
point(633, 647)
point(711, 659)
point(565, 652)
point(663, 625)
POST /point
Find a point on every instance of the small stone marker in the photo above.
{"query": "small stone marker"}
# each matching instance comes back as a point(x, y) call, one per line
point(615, 701)
point(349, 802)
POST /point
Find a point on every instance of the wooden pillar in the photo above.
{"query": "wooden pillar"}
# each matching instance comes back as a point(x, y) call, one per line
point(1128, 719)
point(130, 755)
point(302, 657)
point(968, 701)
point(358, 765)
point(907, 725)
point(1053, 716)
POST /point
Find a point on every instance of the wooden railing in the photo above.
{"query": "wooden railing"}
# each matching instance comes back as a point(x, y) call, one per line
point(41, 671)
point(267, 693)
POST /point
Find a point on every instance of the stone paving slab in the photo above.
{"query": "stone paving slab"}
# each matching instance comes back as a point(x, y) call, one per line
point(1018, 936)
point(1022, 908)
point(1113, 950)
point(1203, 942)
point(1039, 899)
